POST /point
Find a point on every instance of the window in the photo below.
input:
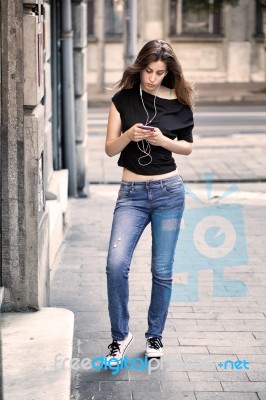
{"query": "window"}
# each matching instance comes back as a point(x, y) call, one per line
point(188, 18)
point(90, 17)
point(259, 20)
point(114, 10)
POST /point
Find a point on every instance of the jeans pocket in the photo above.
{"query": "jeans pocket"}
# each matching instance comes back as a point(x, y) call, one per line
point(174, 188)
point(124, 192)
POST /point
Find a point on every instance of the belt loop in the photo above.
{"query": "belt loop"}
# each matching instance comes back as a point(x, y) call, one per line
point(161, 183)
point(132, 186)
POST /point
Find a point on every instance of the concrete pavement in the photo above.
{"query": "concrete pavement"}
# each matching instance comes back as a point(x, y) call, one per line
point(229, 158)
point(215, 345)
point(199, 335)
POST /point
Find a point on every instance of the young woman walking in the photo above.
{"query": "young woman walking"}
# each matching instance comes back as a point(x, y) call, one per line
point(152, 108)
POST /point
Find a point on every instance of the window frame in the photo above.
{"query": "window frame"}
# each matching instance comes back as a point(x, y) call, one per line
point(112, 35)
point(259, 33)
point(90, 18)
point(176, 31)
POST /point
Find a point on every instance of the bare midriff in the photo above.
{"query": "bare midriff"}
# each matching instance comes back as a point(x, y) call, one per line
point(129, 176)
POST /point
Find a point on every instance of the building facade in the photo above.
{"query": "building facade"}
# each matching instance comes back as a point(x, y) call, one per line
point(220, 45)
point(36, 139)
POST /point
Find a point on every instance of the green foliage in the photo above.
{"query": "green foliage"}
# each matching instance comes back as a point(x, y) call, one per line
point(200, 5)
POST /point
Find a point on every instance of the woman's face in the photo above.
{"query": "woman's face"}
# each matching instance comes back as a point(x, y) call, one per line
point(151, 77)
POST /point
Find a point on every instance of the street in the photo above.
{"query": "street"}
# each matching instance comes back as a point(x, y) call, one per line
point(210, 121)
point(226, 121)
point(216, 129)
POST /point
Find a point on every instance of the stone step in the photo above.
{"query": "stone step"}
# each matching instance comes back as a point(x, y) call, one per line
point(36, 346)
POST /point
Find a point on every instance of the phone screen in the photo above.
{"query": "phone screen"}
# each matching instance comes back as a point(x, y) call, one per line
point(148, 128)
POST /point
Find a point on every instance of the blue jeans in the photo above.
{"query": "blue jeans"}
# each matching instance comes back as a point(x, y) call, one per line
point(160, 203)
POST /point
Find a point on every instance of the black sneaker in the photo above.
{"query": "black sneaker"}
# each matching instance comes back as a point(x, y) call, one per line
point(118, 349)
point(154, 347)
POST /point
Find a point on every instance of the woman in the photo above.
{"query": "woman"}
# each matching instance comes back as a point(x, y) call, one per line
point(153, 92)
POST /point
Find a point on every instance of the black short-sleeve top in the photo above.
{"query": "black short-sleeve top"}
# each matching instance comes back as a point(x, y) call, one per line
point(174, 119)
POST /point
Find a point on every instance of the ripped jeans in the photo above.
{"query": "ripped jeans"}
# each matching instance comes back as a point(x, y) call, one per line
point(160, 203)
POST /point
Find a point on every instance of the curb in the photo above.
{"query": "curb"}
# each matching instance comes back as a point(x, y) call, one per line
point(208, 101)
point(207, 94)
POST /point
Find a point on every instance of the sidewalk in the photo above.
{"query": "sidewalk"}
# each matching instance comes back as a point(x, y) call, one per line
point(201, 334)
point(207, 93)
point(238, 158)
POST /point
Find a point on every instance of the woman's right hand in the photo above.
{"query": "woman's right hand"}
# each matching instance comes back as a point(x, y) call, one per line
point(135, 133)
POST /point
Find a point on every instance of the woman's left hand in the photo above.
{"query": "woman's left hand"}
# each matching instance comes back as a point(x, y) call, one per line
point(156, 138)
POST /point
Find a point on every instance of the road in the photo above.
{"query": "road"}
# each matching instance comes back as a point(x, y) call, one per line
point(229, 143)
point(209, 121)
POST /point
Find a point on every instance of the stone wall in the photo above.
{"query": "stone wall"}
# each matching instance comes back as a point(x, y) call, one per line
point(14, 273)
point(32, 225)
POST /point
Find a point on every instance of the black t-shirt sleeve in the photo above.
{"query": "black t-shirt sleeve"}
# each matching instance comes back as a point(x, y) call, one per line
point(119, 101)
point(186, 134)
point(188, 122)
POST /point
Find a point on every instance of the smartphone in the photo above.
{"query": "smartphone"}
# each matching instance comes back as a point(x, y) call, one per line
point(148, 128)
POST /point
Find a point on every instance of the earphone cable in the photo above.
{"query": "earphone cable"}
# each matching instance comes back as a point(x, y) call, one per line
point(147, 149)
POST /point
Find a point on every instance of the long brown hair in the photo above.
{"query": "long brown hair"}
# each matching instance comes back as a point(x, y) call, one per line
point(156, 50)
